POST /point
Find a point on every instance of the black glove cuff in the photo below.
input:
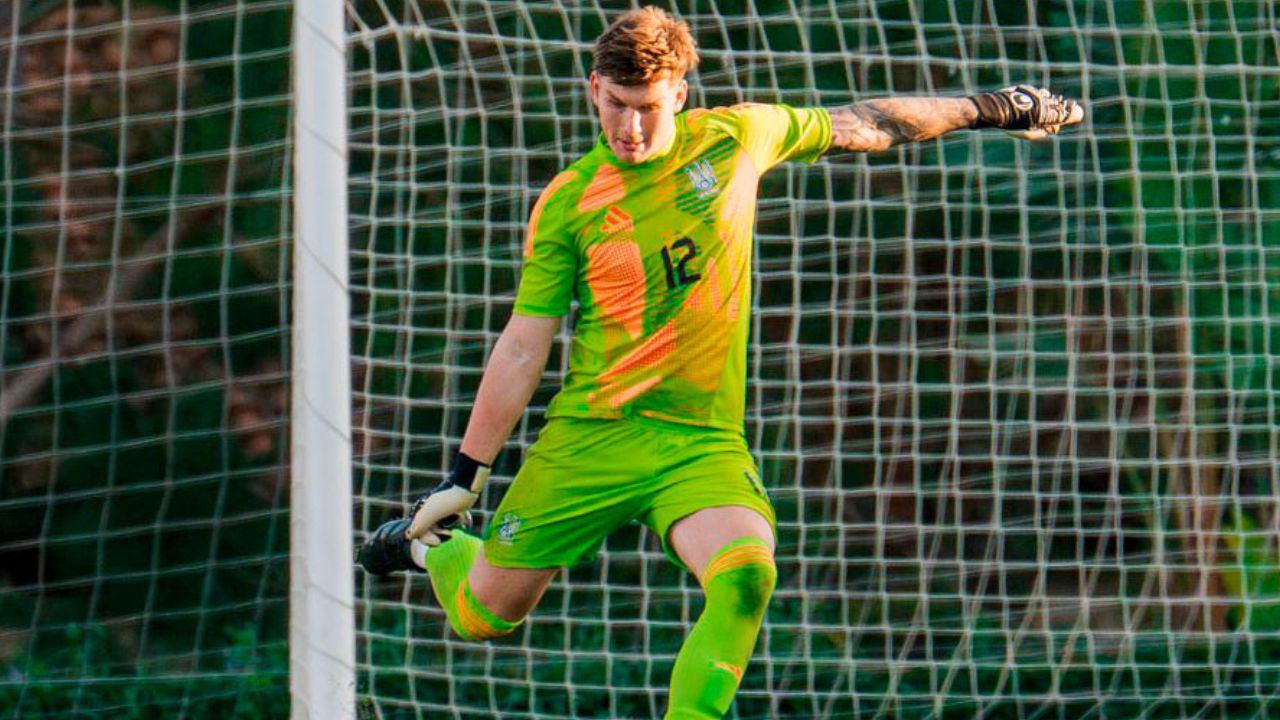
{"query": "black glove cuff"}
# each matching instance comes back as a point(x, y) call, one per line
point(465, 467)
point(993, 111)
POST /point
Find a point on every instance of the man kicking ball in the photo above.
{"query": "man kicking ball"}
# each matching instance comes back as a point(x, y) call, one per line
point(651, 232)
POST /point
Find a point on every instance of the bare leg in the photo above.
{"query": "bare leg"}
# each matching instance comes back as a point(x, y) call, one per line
point(698, 537)
point(509, 593)
point(482, 602)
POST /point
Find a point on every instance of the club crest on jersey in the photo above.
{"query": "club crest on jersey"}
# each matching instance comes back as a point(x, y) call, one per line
point(703, 177)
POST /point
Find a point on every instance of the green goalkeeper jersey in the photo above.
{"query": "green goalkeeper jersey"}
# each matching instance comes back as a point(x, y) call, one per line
point(658, 255)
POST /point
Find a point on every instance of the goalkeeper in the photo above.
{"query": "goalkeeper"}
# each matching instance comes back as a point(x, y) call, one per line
point(651, 232)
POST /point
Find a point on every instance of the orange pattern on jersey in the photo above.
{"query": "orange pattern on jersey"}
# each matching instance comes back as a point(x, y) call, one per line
point(738, 211)
point(605, 188)
point(615, 274)
point(693, 116)
point(647, 355)
point(626, 395)
point(696, 301)
point(735, 296)
point(737, 216)
point(713, 286)
point(707, 295)
point(705, 351)
point(616, 220)
point(619, 385)
point(557, 182)
point(706, 344)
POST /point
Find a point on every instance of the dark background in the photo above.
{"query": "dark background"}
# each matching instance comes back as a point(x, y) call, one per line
point(1016, 404)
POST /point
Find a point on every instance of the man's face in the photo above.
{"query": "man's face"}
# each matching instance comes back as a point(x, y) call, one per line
point(638, 120)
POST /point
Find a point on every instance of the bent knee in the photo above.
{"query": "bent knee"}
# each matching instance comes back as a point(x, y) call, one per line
point(471, 620)
point(751, 586)
point(743, 574)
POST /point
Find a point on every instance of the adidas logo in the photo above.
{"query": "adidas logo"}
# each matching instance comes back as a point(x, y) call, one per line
point(615, 221)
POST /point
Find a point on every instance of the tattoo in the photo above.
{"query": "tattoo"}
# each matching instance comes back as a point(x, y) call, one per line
point(899, 129)
point(880, 124)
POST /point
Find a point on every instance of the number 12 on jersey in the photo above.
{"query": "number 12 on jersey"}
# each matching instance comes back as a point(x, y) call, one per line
point(676, 263)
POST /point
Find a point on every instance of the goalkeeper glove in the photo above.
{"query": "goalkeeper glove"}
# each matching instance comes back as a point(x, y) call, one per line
point(435, 515)
point(1025, 111)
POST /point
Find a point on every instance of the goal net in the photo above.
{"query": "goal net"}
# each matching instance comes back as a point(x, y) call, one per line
point(1016, 404)
point(143, 359)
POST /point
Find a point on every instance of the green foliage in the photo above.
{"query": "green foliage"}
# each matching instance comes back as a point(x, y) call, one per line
point(142, 505)
point(76, 678)
point(1148, 240)
point(1251, 573)
point(1022, 339)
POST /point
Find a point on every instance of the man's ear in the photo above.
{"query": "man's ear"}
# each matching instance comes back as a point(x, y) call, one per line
point(593, 88)
point(682, 94)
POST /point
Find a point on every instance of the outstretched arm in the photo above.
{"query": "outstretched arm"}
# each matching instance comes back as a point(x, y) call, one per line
point(1030, 112)
point(873, 125)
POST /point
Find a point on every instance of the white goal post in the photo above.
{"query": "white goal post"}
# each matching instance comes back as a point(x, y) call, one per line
point(321, 596)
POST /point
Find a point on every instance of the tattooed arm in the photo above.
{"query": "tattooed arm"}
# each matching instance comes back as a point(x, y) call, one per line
point(1027, 112)
point(880, 124)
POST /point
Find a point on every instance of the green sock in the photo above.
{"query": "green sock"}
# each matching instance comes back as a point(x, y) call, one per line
point(448, 565)
point(475, 622)
point(737, 583)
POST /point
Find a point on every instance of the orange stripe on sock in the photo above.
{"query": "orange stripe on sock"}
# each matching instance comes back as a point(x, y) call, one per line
point(724, 567)
point(476, 627)
point(737, 671)
point(465, 617)
point(742, 551)
point(462, 627)
point(737, 557)
point(734, 559)
point(470, 621)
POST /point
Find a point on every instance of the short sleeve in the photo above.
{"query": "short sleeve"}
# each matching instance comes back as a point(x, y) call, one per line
point(550, 256)
point(776, 133)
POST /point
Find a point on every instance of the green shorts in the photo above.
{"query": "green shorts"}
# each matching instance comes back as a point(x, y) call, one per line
point(584, 478)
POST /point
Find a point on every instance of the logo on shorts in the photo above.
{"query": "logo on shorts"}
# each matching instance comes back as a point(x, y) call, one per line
point(755, 483)
point(508, 526)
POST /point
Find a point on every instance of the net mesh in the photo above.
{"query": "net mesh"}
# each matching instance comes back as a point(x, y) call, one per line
point(1016, 404)
point(143, 356)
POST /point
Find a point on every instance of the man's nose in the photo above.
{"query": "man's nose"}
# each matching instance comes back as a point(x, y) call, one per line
point(632, 120)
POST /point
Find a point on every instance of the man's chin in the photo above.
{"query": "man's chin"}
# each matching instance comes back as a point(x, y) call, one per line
point(631, 154)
